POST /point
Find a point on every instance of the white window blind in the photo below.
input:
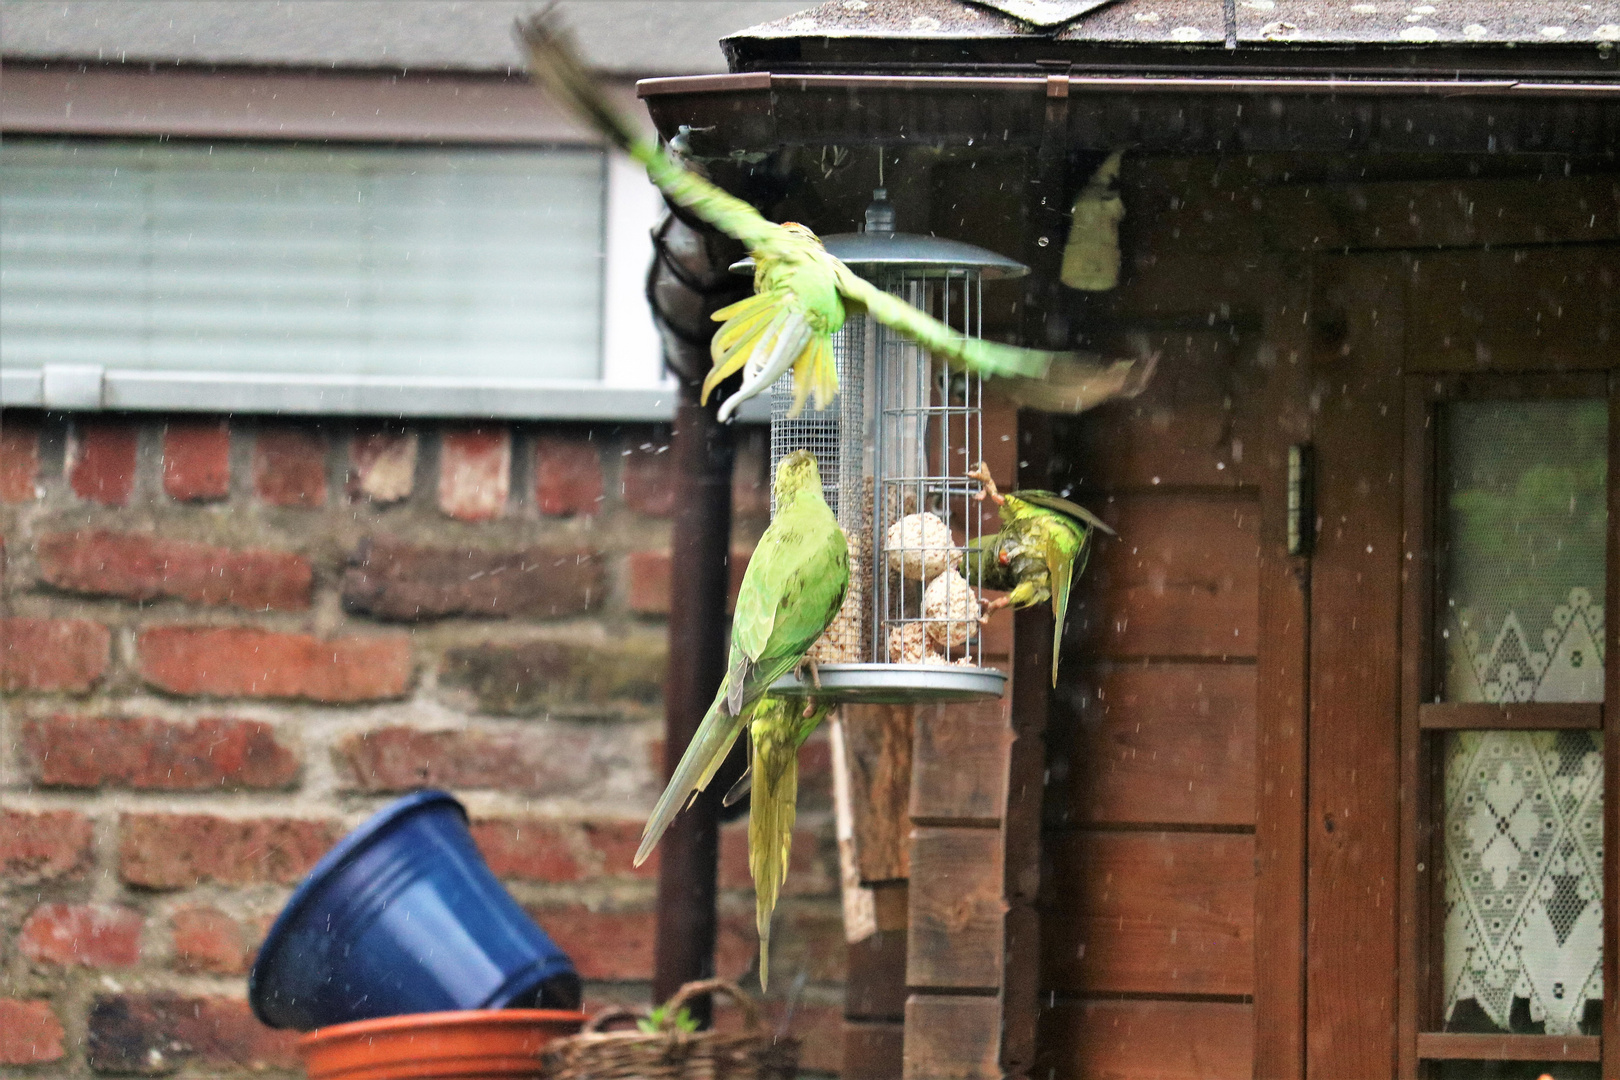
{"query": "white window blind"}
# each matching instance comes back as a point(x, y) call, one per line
point(297, 277)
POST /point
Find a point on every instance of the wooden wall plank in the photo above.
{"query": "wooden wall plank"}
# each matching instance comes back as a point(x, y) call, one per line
point(1155, 743)
point(1280, 722)
point(1150, 912)
point(955, 936)
point(1181, 580)
point(1442, 213)
point(1355, 674)
point(952, 1038)
point(875, 980)
point(877, 739)
point(1147, 1040)
point(959, 762)
point(1529, 309)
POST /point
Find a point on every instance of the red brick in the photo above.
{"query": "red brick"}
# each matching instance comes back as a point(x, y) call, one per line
point(206, 940)
point(19, 459)
point(567, 475)
point(382, 467)
point(140, 567)
point(101, 461)
point(52, 654)
point(650, 575)
point(615, 843)
point(157, 1034)
point(562, 678)
point(87, 935)
point(30, 1033)
point(648, 484)
point(538, 760)
point(393, 580)
point(529, 850)
point(46, 846)
point(173, 851)
point(197, 460)
point(246, 662)
point(750, 477)
point(475, 472)
point(155, 755)
point(614, 946)
point(289, 466)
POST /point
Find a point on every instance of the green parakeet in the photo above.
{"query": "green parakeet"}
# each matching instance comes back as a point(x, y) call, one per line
point(776, 731)
point(793, 588)
point(800, 291)
point(1041, 548)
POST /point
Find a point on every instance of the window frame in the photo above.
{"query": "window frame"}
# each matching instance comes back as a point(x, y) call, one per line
point(366, 108)
point(1420, 1040)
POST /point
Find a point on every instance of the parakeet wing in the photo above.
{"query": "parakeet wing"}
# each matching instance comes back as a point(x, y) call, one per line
point(979, 356)
point(1076, 382)
point(554, 62)
point(1063, 506)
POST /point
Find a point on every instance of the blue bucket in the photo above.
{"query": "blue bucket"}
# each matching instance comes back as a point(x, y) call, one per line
point(404, 916)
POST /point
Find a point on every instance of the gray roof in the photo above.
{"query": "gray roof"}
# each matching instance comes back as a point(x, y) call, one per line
point(632, 37)
point(1193, 23)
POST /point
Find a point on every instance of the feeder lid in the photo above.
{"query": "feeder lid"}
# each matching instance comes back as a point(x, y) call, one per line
point(895, 684)
point(929, 256)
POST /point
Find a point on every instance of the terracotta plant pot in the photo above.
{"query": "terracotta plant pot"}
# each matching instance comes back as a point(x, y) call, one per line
point(469, 1045)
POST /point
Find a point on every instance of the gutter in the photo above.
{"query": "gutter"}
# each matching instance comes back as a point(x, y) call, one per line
point(1065, 85)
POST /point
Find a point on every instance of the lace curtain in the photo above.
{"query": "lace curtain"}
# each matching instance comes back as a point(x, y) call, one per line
point(1526, 522)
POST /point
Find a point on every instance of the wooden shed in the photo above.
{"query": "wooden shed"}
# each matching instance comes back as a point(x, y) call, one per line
point(1322, 788)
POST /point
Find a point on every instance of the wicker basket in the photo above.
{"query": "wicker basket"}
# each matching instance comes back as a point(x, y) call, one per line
point(751, 1054)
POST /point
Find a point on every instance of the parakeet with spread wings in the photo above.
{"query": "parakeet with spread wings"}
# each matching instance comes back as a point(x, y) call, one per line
point(800, 290)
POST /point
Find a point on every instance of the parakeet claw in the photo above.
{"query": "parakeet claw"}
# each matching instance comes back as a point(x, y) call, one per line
point(991, 606)
point(981, 473)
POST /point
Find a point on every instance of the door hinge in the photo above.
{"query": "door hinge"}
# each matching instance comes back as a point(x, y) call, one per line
point(1301, 499)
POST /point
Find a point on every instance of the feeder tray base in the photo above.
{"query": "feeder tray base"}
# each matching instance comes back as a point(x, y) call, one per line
point(896, 684)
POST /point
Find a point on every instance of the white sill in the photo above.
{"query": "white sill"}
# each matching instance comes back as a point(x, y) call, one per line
point(350, 395)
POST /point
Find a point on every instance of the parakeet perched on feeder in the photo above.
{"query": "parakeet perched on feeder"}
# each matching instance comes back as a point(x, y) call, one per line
point(776, 731)
point(1042, 547)
point(792, 590)
point(800, 290)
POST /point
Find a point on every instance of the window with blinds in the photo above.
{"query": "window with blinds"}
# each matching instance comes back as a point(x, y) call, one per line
point(262, 276)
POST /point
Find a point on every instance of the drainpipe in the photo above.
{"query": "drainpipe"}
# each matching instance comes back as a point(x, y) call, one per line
point(689, 280)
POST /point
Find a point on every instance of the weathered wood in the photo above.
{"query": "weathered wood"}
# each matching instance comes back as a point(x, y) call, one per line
point(959, 762)
point(1355, 674)
point(955, 935)
point(1182, 580)
point(1156, 743)
point(873, 1050)
point(1526, 715)
point(1521, 311)
point(1150, 912)
point(1020, 987)
point(875, 981)
point(1442, 213)
point(1448, 1046)
point(1164, 1040)
point(877, 739)
point(1280, 666)
point(952, 1038)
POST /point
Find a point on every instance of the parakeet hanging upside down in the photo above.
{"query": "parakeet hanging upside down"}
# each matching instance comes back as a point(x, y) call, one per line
point(800, 291)
point(1042, 547)
point(776, 731)
point(793, 588)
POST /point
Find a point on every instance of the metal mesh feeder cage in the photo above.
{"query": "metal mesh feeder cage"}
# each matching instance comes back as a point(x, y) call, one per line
point(895, 447)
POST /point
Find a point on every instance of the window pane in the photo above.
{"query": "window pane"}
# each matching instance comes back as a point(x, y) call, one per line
point(242, 257)
point(1524, 881)
point(1517, 1070)
point(1525, 514)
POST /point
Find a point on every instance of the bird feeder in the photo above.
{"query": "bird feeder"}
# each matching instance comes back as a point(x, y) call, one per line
point(895, 448)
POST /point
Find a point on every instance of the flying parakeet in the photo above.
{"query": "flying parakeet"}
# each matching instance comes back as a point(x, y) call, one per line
point(800, 291)
point(776, 731)
point(1043, 545)
point(793, 588)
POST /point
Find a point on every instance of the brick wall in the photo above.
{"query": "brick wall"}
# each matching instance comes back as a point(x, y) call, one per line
point(225, 643)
